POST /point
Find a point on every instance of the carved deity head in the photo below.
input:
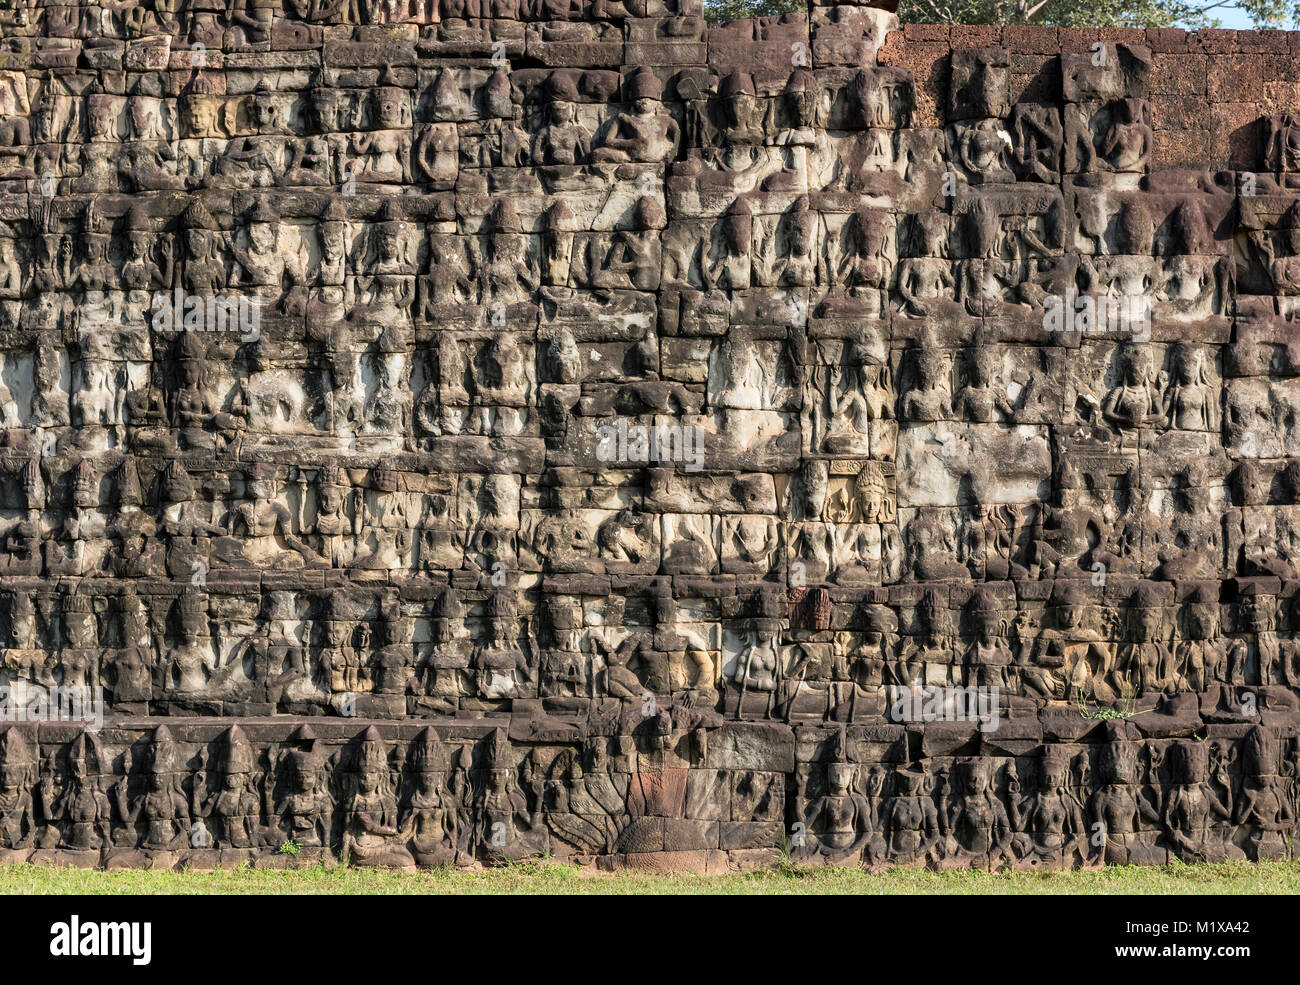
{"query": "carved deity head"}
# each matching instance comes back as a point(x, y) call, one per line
point(387, 104)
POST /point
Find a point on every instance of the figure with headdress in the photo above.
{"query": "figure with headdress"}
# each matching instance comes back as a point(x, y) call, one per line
point(191, 662)
point(23, 541)
point(1120, 809)
point(336, 530)
point(647, 133)
point(1192, 400)
point(382, 153)
point(258, 159)
point(80, 655)
point(978, 828)
point(233, 807)
point(429, 814)
point(370, 832)
point(1051, 831)
point(141, 270)
point(388, 408)
point(498, 661)
point(506, 826)
point(82, 545)
point(562, 138)
point(264, 267)
point(158, 819)
point(840, 824)
point(260, 524)
point(202, 269)
point(80, 806)
point(130, 667)
point(1264, 804)
point(296, 796)
point(865, 270)
point(1194, 812)
point(385, 290)
point(510, 275)
point(911, 820)
point(18, 774)
point(445, 665)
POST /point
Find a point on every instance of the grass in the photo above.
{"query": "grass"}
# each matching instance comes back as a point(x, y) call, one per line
point(545, 878)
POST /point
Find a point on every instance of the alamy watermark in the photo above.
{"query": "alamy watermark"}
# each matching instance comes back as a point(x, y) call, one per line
point(181, 312)
point(641, 444)
point(1090, 314)
point(38, 703)
point(942, 703)
point(77, 938)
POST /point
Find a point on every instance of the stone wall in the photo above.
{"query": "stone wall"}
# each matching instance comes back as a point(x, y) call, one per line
point(440, 434)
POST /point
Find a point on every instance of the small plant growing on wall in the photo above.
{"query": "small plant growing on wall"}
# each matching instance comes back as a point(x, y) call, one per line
point(1126, 708)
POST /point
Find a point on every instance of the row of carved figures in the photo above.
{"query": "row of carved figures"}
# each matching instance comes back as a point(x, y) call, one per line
point(845, 533)
point(431, 803)
point(428, 801)
point(340, 262)
point(403, 398)
point(255, 24)
point(160, 649)
point(1122, 802)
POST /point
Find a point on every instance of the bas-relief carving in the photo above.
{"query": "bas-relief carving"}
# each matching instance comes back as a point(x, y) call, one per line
point(368, 553)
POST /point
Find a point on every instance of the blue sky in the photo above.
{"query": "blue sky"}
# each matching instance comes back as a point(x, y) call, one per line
point(1234, 19)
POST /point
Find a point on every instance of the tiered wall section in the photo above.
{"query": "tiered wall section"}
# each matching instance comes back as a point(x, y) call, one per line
point(441, 433)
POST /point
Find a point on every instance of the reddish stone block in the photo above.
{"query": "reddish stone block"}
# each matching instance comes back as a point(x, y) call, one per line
point(1216, 41)
point(1024, 63)
point(1264, 42)
point(1181, 149)
point(891, 52)
point(1178, 75)
point(1167, 39)
point(1034, 38)
point(928, 64)
point(976, 36)
point(661, 794)
point(1281, 95)
point(1236, 77)
point(1079, 38)
point(1123, 35)
point(926, 32)
point(1169, 112)
point(1235, 135)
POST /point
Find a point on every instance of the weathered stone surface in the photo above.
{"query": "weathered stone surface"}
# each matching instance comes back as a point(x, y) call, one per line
point(429, 437)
